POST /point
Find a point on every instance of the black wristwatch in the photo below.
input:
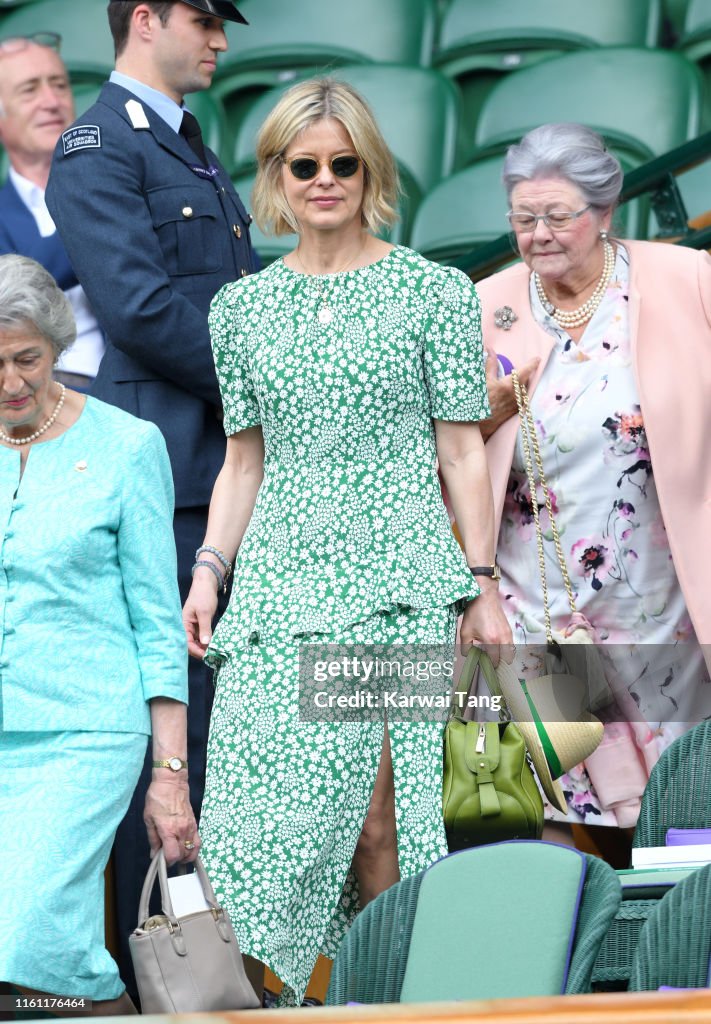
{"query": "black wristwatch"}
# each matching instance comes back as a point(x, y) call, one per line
point(492, 571)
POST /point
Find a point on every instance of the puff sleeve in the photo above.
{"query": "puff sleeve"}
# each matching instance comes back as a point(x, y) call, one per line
point(229, 348)
point(453, 351)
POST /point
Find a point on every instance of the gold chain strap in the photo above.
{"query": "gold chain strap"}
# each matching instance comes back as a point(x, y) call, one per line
point(529, 440)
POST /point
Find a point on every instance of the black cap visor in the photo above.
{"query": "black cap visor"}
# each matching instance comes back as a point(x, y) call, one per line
point(220, 8)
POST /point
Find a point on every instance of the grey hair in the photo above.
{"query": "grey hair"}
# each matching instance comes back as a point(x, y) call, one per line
point(30, 295)
point(569, 151)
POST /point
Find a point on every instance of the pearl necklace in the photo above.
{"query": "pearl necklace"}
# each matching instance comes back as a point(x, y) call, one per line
point(325, 313)
point(581, 315)
point(37, 433)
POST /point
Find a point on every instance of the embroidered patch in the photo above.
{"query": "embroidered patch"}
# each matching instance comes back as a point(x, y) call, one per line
point(84, 136)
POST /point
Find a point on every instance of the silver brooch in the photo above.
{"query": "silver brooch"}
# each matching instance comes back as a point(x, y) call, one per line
point(505, 317)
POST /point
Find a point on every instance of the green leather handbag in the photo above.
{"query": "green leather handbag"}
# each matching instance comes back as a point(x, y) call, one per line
point(489, 792)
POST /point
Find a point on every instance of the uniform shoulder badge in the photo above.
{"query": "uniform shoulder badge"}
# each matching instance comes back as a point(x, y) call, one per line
point(82, 136)
point(137, 114)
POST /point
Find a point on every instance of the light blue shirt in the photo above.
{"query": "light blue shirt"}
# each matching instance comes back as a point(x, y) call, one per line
point(161, 104)
point(89, 599)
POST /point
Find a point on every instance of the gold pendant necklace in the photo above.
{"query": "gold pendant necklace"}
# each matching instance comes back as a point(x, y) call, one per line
point(325, 314)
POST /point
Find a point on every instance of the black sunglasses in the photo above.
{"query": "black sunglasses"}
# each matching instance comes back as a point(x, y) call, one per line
point(305, 167)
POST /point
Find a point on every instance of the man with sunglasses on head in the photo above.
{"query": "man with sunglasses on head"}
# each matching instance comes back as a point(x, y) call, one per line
point(36, 106)
point(154, 228)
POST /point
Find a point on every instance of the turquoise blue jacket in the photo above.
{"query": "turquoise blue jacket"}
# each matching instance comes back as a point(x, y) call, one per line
point(91, 626)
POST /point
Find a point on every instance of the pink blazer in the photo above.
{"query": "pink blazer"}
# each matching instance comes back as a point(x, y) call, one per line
point(670, 328)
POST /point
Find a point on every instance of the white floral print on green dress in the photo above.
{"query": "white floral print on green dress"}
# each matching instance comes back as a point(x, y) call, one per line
point(349, 540)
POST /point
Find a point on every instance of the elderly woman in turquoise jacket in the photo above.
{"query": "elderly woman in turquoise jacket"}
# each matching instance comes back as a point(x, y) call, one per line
point(93, 657)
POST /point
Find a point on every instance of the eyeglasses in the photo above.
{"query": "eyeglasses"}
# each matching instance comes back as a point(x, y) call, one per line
point(305, 167)
point(15, 44)
point(557, 220)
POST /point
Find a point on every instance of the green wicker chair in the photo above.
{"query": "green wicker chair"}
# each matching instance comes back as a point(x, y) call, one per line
point(678, 794)
point(674, 946)
point(372, 961)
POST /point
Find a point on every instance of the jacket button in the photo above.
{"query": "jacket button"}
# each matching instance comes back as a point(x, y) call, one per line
point(187, 212)
point(243, 272)
point(237, 230)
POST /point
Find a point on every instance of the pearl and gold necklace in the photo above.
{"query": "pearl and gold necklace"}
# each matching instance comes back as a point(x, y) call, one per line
point(37, 433)
point(570, 318)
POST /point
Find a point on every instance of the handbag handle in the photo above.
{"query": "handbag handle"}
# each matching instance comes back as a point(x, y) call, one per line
point(158, 868)
point(476, 658)
point(529, 441)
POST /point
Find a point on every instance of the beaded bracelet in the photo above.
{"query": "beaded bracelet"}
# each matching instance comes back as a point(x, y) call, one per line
point(221, 580)
point(219, 555)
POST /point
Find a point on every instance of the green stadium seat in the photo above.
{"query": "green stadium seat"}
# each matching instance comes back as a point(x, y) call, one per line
point(675, 15)
point(417, 941)
point(469, 209)
point(674, 946)
point(479, 40)
point(695, 41)
point(87, 47)
point(695, 186)
point(416, 108)
point(286, 40)
point(269, 247)
point(85, 95)
point(678, 793)
point(7, 5)
point(644, 102)
point(308, 33)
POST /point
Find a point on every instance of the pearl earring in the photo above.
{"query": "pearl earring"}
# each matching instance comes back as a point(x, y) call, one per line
point(604, 236)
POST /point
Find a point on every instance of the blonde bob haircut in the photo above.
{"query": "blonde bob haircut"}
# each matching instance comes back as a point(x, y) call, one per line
point(300, 107)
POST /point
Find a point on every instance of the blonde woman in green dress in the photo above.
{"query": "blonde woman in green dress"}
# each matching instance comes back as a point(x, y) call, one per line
point(348, 370)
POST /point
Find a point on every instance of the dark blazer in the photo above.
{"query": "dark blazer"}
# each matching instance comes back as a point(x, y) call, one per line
point(19, 234)
point(152, 240)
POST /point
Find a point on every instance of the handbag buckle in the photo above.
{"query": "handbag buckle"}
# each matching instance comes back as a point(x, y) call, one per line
point(151, 923)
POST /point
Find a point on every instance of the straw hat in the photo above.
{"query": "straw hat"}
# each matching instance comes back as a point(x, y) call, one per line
point(558, 729)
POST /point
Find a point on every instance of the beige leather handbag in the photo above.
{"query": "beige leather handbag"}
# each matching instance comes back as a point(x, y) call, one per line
point(188, 964)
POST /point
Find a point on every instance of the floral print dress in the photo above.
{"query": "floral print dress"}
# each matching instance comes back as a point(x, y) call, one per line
point(349, 542)
point(598, 467)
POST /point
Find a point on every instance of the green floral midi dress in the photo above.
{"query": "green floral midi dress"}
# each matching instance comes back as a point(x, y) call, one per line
point(349, 541)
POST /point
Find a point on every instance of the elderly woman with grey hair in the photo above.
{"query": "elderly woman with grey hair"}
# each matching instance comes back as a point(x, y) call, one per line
point(93, 657)
point(615, 336)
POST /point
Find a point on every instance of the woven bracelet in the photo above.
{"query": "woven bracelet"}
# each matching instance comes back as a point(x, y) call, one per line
point(221, 580)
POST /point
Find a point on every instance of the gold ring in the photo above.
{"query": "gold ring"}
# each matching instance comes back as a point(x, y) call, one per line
point(189, 845)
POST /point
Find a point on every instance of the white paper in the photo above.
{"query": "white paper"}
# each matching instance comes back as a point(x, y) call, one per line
point(693, 855)
point(186, 895)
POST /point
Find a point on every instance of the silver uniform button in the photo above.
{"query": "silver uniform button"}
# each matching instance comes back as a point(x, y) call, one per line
point(187, 211)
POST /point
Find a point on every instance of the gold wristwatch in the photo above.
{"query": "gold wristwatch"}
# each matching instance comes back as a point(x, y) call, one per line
point(174, 763)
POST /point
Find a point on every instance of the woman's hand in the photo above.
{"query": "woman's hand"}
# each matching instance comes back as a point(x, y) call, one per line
point(170, 820)
point(485, 624)
point(199, 611)
point(501, 393)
